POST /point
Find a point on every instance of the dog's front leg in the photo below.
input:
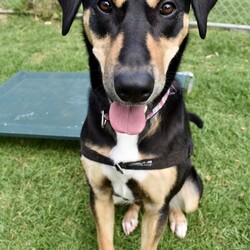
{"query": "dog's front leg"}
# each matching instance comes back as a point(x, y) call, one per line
point(157, 187)
point(103, 210)
point(154, 222)
point(101, 202)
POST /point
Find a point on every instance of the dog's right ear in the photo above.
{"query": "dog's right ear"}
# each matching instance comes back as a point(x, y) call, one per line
point(69, 8)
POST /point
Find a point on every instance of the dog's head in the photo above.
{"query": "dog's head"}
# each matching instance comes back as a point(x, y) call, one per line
point(134, 43)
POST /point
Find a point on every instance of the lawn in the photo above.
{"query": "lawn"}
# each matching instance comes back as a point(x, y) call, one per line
point(43, 192)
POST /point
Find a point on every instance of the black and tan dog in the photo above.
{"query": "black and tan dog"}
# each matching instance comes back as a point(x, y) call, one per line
point(136, 142)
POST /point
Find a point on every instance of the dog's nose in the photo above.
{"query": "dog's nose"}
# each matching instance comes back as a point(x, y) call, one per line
point(134, 86)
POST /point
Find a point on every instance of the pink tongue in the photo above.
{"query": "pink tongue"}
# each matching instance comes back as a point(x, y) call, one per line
point(127, 119)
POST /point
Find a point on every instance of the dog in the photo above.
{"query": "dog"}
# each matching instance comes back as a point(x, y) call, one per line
point(136, 142)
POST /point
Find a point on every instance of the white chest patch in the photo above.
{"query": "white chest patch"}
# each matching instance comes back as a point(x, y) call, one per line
point(124, 151)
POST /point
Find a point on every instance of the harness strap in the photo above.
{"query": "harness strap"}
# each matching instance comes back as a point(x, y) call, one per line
point(164, 161)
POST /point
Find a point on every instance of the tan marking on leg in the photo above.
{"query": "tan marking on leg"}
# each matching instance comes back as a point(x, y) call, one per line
point(119, 3)
point(157, 186)
point(130, 220)
point(104, 213)
point(93, 172)
point(150, 231)
point(103, 206)
point(188, 197)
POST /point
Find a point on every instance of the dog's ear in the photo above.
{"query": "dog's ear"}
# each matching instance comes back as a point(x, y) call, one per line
point(69, 8)
point(201, 10)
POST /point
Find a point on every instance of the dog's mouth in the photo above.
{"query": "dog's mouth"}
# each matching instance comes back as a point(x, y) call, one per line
point(131, 119)
point(128, 119)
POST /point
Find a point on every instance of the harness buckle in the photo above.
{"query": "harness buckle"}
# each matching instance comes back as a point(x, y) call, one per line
point(118, 168)
point(103, 119)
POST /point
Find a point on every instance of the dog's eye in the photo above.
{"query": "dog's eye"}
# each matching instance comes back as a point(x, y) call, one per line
point(105, 6)
point(167, 9)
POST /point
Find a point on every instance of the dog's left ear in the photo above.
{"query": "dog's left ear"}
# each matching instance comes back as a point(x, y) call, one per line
point(69, 8)
point(201, 10)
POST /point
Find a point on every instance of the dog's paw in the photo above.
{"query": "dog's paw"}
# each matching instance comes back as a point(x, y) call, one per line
point(129, 225)
point(130, 220)
point(178, 223)
point(179, 228)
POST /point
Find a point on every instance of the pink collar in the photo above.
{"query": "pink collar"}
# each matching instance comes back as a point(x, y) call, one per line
point(171, 91)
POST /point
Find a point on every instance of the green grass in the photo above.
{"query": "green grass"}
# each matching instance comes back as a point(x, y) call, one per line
point(43, 193)
point(45, 9)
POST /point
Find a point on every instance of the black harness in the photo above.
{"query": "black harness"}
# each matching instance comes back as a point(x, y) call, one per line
point(161, 162)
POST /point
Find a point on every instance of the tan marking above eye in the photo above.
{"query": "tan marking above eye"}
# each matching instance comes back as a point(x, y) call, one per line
point(119, 3)
point(152, 3)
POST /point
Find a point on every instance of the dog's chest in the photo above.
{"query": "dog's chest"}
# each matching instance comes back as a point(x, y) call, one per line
point(125, 150)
